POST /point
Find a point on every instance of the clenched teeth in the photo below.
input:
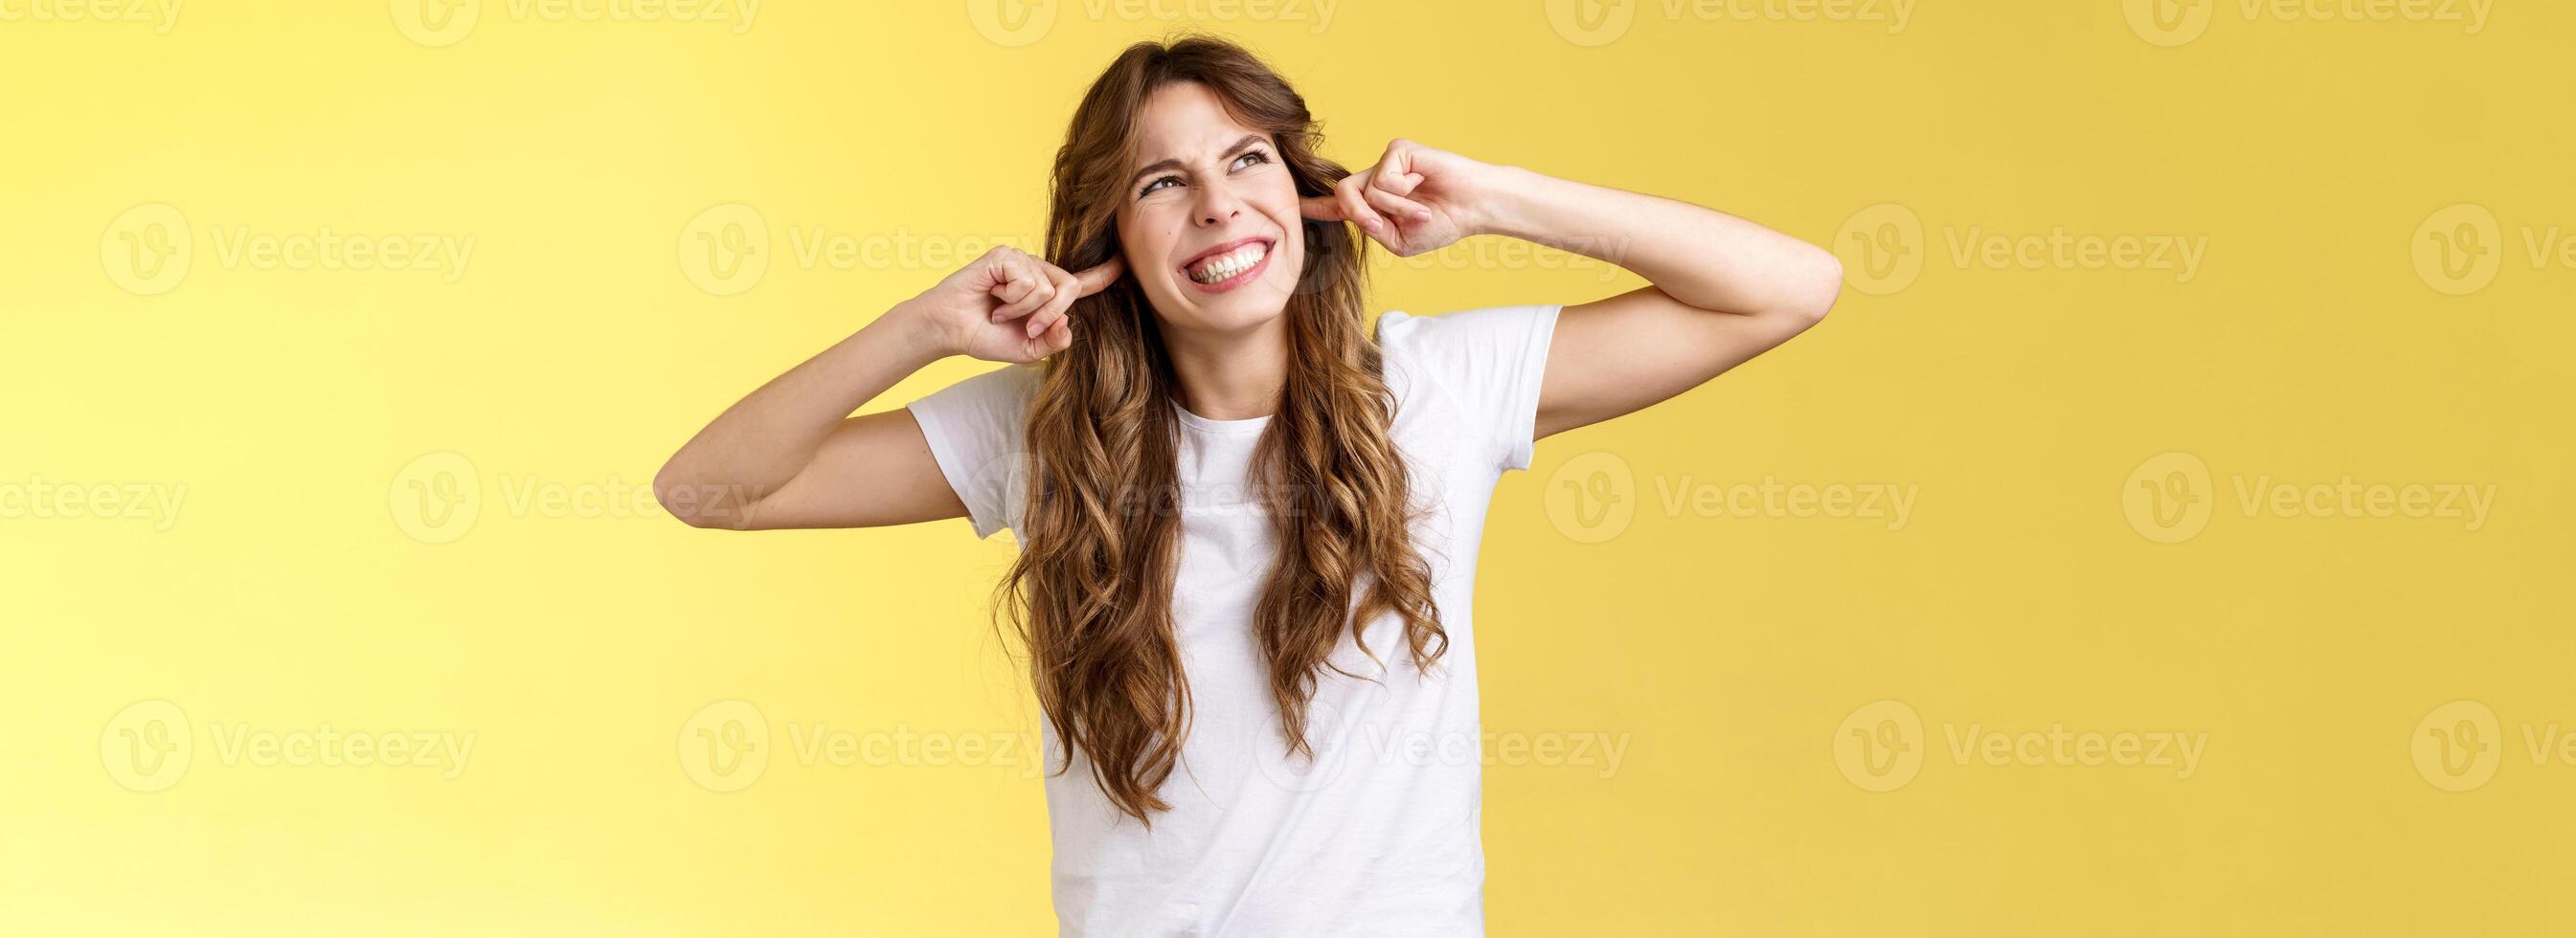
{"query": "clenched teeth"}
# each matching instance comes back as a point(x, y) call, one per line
point(1222, 266)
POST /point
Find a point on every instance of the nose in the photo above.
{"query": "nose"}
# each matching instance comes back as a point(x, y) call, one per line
point(1217, 206)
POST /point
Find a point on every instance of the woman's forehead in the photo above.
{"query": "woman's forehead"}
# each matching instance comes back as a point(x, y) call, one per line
point(1186, 121)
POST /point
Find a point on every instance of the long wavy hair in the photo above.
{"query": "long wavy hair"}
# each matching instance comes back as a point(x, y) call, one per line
point(1091, 592)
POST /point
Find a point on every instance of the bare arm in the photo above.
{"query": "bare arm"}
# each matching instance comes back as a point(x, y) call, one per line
point(789, 455)
point(1723, 289)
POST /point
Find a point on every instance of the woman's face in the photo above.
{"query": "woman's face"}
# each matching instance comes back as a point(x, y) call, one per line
point(1210, 223)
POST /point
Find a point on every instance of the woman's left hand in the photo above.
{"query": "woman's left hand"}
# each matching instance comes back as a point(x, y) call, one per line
point(1416, 199)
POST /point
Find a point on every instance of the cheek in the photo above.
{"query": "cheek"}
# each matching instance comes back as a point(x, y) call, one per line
point(1279, 204)
point(1292, 251)
point(1147, 238)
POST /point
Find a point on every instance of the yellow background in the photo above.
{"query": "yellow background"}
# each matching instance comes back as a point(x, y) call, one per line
point(1733, 651)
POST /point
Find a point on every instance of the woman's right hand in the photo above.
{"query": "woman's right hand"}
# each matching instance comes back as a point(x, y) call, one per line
point(1008, 306)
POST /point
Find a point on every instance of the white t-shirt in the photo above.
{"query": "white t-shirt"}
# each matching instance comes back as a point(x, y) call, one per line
point(1380, 834)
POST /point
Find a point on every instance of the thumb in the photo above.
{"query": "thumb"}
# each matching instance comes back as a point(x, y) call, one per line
point(1321, 208)
point(1099, 278)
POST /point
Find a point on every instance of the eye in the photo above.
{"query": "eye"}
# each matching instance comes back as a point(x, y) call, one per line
point(1255, 156)
point(1157, 183)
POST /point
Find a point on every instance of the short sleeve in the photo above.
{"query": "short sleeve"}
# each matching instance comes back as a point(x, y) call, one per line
point(977, 431)
point(1490, 361)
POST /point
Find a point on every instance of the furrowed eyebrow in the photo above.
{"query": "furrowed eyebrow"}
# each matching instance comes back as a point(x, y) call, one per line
point(1248, 142)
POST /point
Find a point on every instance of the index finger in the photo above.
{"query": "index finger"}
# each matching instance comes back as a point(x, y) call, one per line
point(1099, 278)
point(1321, 208)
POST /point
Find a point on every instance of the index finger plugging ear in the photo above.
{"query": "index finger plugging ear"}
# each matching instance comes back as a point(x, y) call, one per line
point(1320, 208)
point(1099, 278)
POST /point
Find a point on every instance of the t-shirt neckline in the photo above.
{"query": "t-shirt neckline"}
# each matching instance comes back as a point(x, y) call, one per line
point(1244, 425)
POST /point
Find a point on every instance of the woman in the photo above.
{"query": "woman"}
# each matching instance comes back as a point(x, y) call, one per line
point(1248, 519)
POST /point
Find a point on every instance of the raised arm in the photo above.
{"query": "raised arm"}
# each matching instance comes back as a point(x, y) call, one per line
point(1723, 289)
point(791, 456)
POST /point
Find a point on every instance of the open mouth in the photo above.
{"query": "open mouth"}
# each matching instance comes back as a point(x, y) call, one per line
point(1229, 265)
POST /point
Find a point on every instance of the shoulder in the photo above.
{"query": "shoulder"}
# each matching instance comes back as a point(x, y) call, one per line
point(1471, 346)
point(1002, 389)
point(976, 429)
point(981, 416)
point(1481, 368)
point(1400, 330)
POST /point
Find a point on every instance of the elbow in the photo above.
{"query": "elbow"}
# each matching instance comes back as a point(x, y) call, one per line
point(1816, 285)
point(686, 501)
point(1804, 289)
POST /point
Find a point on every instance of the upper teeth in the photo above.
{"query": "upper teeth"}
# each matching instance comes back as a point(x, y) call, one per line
point(1230, 263)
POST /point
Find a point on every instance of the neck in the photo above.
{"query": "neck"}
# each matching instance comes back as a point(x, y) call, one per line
point(1231, 375)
